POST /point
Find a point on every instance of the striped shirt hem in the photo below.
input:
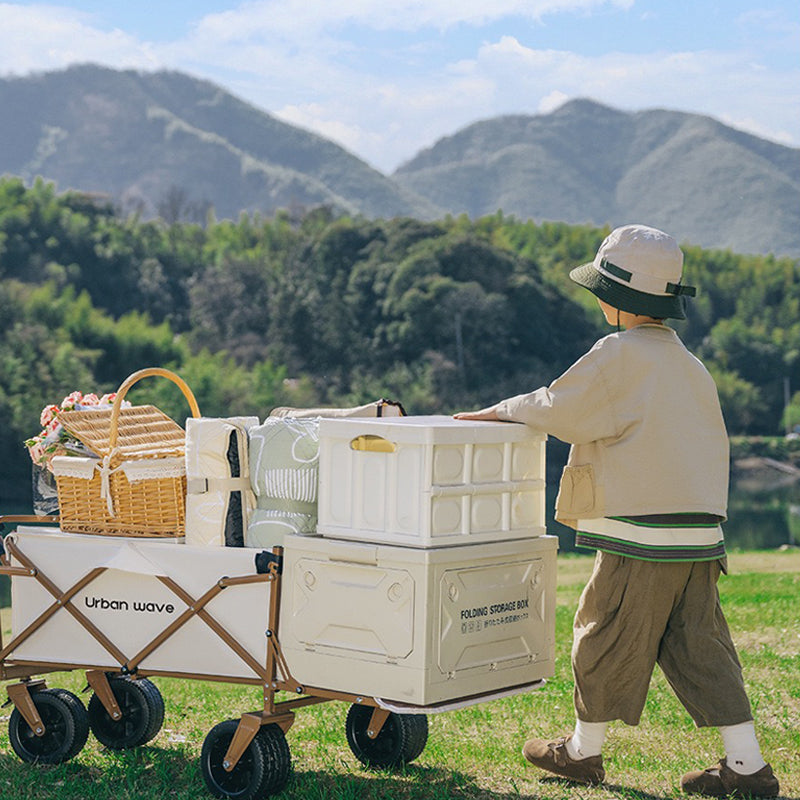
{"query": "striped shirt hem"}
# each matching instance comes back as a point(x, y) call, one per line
point(674, 538)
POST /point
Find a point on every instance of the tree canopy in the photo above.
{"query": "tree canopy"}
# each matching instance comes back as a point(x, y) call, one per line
point(303, 309)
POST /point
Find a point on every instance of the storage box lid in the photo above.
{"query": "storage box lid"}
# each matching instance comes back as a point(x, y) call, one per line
point(437, 429)
point(374, 554)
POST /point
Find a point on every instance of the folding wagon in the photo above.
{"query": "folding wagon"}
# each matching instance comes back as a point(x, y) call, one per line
point(399, 640)
point(428, 585)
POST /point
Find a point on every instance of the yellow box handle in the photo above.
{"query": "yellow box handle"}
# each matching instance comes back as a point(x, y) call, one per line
point(369, 443)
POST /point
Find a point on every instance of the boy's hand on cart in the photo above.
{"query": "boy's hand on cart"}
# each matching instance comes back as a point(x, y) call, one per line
point(483, 414)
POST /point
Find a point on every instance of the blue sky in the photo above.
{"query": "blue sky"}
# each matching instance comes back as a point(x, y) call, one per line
point(386, 78)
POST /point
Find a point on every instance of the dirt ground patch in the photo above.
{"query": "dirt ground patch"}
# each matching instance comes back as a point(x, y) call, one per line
point(782, 641)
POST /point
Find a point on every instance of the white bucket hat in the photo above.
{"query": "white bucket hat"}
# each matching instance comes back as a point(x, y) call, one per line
point(637, 269)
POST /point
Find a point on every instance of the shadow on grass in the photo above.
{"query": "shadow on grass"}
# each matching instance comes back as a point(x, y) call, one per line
point(627, 793)
point(147, 773)
point(152, 773)
point(413, 781)
point(620, 792)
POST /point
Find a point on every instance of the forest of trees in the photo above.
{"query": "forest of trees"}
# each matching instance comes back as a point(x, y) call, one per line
point(312, 308)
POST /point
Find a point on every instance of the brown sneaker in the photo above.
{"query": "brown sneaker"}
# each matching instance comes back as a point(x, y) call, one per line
point(553, 757)
point(721, 781)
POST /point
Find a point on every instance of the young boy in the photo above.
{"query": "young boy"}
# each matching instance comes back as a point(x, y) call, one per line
point(646, 485)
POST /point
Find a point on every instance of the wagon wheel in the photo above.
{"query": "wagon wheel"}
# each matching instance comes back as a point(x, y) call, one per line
point(401, 739)
point(142, 714)
point(66, 728)
point(262, 771)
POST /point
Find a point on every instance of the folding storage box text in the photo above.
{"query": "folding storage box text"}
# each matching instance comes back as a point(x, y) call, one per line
point(418, 625)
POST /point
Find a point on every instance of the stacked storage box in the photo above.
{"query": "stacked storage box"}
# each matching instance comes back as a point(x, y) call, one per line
point(434, 579)
point(430, 481)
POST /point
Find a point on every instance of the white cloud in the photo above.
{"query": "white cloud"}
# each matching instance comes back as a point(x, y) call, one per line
point(301, 17)
point(759, 128)
point(726, 85)
point(322, 120)
point(550, 102)
point(52, 37)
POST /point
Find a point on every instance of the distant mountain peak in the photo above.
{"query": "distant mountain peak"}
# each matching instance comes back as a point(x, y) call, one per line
point(586, 162)
point(139, 135)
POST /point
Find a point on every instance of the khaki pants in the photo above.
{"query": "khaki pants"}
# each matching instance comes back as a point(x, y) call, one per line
point(634, 614)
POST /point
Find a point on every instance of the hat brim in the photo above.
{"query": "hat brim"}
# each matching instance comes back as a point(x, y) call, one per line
point(625, 298)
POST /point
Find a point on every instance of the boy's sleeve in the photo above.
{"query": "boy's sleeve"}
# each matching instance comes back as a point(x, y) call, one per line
point(576, 407)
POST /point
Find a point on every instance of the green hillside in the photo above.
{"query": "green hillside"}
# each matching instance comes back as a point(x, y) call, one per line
point(587, 163)
point(176, 146)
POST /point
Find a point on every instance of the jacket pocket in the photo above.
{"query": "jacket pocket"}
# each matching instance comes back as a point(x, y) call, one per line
point(577, 493)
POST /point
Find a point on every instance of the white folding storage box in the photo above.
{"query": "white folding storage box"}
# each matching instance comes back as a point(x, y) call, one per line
point(131, 605)
point(415, 625)
point(430, 481)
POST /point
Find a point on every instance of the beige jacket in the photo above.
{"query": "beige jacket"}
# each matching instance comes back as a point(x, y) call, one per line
point(643, 418)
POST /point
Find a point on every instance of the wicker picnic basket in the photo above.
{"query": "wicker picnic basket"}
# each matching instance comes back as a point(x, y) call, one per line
point(138, 485)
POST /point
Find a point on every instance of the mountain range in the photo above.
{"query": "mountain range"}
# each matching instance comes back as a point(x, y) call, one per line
point(154, 139)
point(170, 144)
point(586, 163)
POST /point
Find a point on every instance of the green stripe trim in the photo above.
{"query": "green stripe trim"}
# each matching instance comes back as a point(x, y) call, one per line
point(715, 557)
point(623, 547)
point(679, 289)
point(676, 524)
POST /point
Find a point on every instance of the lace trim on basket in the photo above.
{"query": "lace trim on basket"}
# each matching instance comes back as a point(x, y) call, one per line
point(140, 470)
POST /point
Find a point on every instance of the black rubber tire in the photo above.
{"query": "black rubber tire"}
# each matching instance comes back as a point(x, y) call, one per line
point(401, 739)
point(279, 759)
point(66, 728)
point(142, 709)
point(262, 771)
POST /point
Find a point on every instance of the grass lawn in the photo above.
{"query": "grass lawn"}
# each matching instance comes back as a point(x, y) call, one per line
point(474, 753)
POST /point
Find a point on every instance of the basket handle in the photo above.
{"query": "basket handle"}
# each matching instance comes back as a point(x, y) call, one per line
point(135, 378)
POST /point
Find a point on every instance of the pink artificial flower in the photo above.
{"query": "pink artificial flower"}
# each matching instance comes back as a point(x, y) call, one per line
point(36, 450)
point(48, 414)
point(71, 400)
point(54, 440)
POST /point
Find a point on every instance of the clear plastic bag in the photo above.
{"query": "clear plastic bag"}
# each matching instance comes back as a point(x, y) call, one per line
point(45, 495)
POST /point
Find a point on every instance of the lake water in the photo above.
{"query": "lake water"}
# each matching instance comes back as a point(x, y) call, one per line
point(763, 519)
